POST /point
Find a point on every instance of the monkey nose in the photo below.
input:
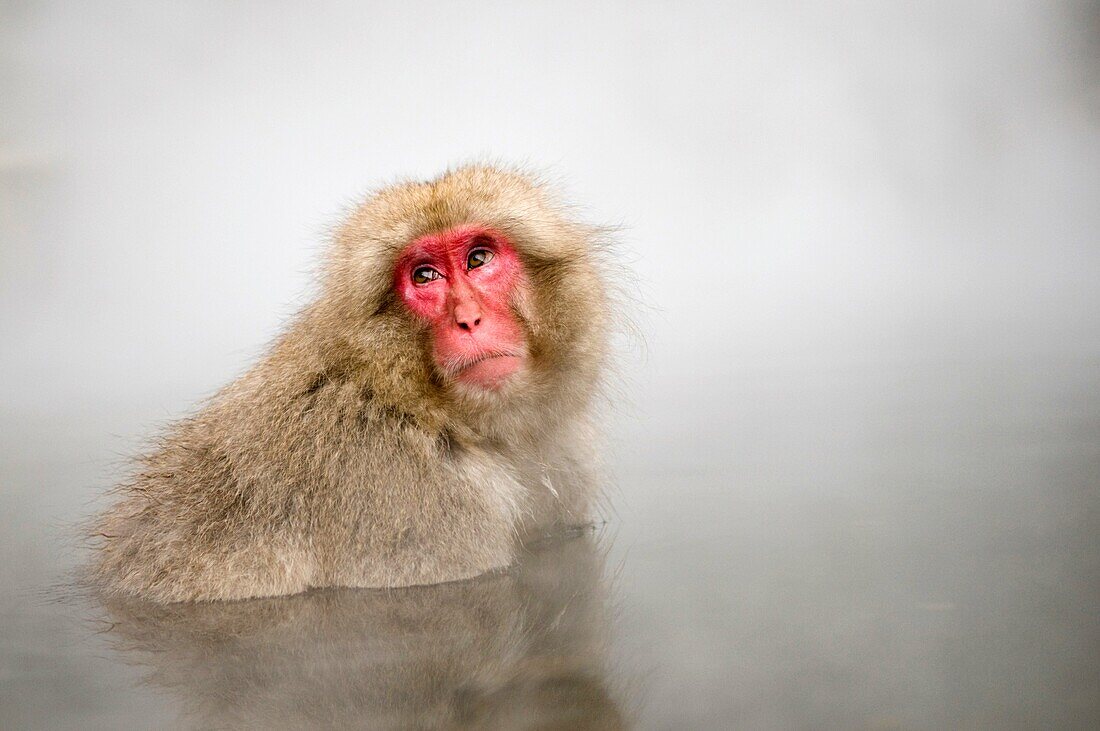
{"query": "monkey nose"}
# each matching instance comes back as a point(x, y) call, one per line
point(467, 316)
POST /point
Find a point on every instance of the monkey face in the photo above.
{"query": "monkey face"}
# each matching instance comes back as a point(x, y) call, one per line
point(463, 283)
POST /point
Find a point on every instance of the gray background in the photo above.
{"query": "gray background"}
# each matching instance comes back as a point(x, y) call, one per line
point(857, 457)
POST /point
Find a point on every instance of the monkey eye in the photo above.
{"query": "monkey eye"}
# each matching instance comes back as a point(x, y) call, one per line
point(478, 257)
point(423, 275)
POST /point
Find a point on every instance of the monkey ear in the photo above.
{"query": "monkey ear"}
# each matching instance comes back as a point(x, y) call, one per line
point(357, 273)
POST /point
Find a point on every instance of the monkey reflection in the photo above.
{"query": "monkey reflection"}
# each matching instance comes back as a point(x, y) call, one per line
point(520, 649)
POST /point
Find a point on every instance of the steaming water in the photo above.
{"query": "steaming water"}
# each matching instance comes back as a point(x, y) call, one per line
point(855, 485)
point(891, 547)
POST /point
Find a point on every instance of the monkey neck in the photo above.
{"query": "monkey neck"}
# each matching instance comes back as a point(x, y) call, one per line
point(528, 418)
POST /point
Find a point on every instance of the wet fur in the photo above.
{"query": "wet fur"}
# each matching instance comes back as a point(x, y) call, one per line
point(343, 458)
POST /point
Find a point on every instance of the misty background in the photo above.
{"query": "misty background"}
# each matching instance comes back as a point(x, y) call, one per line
point(857, 459)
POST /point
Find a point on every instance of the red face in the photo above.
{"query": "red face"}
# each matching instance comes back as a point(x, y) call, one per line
point(462, 282)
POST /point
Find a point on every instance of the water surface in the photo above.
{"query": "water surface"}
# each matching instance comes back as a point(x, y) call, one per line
point(876, 546)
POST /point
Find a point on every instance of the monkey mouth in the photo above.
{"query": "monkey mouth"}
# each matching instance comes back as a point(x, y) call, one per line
point(489, 369)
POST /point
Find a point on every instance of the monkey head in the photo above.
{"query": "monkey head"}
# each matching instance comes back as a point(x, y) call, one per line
point(467, 295)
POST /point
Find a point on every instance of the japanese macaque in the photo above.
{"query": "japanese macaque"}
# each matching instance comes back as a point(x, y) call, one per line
point(522, 648)
point(427, 413)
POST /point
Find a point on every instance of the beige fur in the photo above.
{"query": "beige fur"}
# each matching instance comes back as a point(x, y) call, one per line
point(343, 458)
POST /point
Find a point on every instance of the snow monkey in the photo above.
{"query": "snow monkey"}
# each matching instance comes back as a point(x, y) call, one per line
point(430, 410)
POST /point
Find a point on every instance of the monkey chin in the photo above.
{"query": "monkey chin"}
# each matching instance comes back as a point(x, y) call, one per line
point(491, 373)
